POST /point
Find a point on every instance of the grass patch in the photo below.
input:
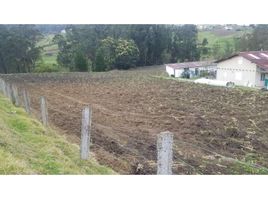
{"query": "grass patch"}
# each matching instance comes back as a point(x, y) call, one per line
point(50, 49)
point(26, 147)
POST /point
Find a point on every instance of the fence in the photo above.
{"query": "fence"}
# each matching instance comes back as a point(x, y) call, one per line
point(164, 142)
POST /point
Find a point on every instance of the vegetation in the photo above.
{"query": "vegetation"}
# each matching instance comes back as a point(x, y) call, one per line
point(26, 147)
point(217, 46)
point(45, 67)
point(112, 54)
point(257, 40)
point(51, 48)
point(18, 49)
point(124, 46)
point(131, 107)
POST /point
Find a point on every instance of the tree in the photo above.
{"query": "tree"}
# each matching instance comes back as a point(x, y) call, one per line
point(184, 43)
point(255, 41)
point(205, 49)
point(106, 50)
point(81, 62)
point(116, 54)
point(100, 62)
point(126, 54)
point(228, 49)
point(216, 50)
point(18, 49)
point(154, 45)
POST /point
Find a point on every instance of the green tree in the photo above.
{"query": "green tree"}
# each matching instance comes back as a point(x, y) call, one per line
point(80, 62)
point(107, 51)
point(156, 44)
point(18, 49)
point(228, 49)
point(253, 41)
point(126, 54)
point(216, 50)
point(100, 61)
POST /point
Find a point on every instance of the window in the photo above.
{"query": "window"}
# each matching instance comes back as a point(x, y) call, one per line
point(262, 77)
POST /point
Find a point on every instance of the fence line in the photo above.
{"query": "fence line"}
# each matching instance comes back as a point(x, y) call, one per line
point(222, 156)
point(26, 101)
point(15, 94)
point(164, 143)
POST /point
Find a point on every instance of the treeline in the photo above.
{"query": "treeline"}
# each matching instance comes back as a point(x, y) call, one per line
point(255, 41)
point(106, 47)
point(18, 49)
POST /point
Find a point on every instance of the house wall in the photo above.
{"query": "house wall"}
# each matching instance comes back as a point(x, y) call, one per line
point(178, 72)
point(170, 70)
point(238, 70)
point(259, 82)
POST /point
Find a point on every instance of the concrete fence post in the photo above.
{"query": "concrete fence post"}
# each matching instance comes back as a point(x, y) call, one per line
point(15, 95)
point(85, 133)
point(44, 113)
point(26, 101)
point(164, 153)
point(8, 91)
point(2, 86)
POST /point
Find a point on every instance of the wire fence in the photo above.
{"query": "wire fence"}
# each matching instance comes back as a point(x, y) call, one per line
point(177, 146)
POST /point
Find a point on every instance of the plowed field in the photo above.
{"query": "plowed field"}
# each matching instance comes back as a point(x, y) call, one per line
point(216, 130)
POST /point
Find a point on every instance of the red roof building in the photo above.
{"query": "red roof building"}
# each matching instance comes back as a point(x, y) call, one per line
point(245, 68)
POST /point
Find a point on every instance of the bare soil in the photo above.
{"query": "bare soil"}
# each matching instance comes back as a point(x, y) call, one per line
point(216, 130)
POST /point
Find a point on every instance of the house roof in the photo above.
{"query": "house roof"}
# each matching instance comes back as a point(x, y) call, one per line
point(190, 64)
point(259, 58)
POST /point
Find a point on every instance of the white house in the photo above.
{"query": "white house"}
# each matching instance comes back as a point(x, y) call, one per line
point(190, 69)
point(245, 69)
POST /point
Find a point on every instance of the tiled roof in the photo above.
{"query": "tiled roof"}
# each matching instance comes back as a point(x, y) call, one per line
point(260, 58)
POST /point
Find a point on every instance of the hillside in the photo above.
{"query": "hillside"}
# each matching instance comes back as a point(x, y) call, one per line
point(50, 50)
point(221, 42)
point(26, 147)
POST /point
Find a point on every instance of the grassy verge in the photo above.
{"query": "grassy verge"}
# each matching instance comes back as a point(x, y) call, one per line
point(26, 147)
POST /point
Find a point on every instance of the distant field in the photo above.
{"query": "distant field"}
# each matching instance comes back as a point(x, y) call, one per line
point(50, 51)
point(214, 38)
point(221, 37)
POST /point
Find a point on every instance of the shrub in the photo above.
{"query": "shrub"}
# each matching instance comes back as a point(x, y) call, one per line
point(80, 62)
point(42, 67)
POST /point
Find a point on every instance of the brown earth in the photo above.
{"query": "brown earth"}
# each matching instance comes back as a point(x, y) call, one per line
point(216, 130)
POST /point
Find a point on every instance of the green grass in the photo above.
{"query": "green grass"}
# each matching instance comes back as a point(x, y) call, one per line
point(50, 60)
point(226, 40)
point(213, 38)
point(50, 50)
point(46, 40)
point(26, 147)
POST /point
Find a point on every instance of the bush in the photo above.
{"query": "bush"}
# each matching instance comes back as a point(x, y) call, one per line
point(42, 67)
point(81, 62)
